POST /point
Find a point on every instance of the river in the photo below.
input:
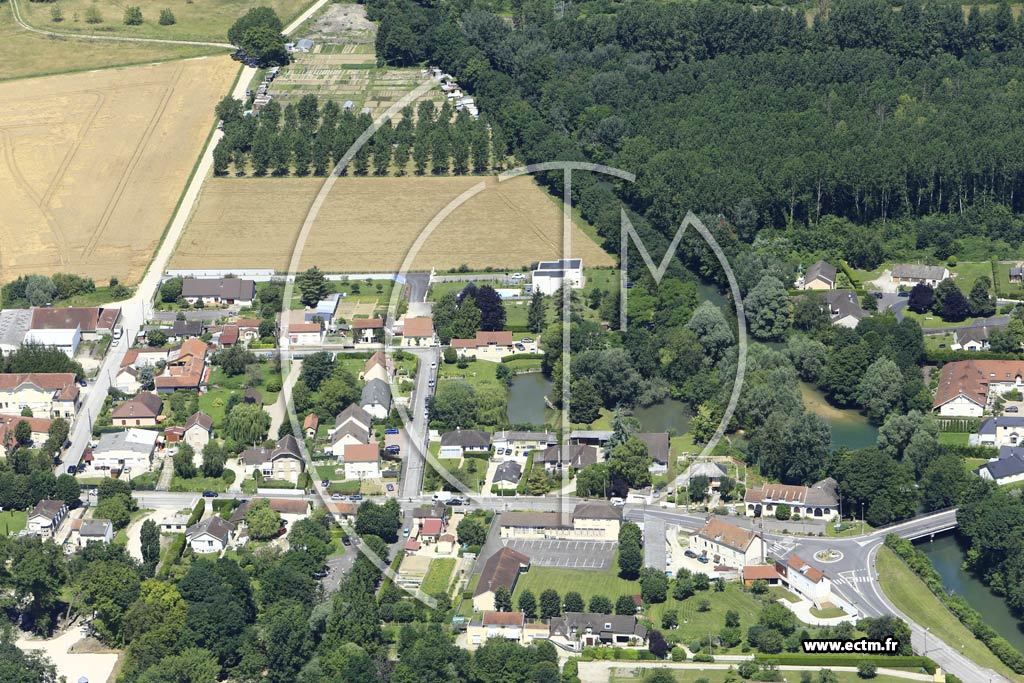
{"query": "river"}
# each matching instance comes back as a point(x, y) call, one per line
point(849, 427)
point(947, 557)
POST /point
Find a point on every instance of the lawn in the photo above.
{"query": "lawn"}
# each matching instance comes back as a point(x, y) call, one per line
point(968, 271)
point(13, 521)
point(848, 528)
point(438, 576)
point(934, 342)
point(1010, 290)
point(472, 479)
point(328, 472)
point(198, 484)
point(953, 438)
point(930, 320)
point(828, 612)
point(912, 597)
point(482, 371)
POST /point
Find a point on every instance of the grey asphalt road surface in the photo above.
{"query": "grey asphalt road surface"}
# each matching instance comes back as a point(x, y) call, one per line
point(567, 554)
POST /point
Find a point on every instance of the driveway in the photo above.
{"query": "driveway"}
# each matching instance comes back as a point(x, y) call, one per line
point(883, 282)
point(568, 554)
point(94, 666)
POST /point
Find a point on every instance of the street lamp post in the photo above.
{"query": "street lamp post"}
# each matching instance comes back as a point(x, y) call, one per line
point(926, 632)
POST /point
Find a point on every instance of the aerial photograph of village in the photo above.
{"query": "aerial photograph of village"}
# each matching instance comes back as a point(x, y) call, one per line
point(511, 341)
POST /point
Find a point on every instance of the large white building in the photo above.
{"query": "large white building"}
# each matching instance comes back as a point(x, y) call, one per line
point(67, 340)
point(726, 545)
point(130, 451)
point(549, 276)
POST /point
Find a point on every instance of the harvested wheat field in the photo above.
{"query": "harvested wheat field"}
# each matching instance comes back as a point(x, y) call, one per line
point(93, 164)
point(369, 224)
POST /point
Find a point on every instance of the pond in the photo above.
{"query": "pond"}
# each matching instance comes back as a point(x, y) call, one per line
point(668, 416)
point(526, 399)
point(947, 557)
point(849, 427)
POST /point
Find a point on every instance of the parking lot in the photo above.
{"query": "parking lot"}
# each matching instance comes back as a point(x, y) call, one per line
point(569, 554)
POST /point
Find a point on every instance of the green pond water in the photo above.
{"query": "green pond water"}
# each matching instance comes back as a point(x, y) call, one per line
point(526, 399)
point(849, 427)
point(947, 557)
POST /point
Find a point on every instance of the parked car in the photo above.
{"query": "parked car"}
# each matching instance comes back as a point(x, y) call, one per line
point(325, 482)
point(617, 502)
point(903, 294)
point(433, 364)
point(72, 469)
point(455, 501)
point(517, 276)
point(689, 553)
point(345, 540)
point(520, 346)
point(391, 488)
point(391, 430)
point(878, 295)
point(394, 448)
point(527, 340)
point(1012, 409)
point(703, 559)
point(356, 496)
point(405, 531)
point(83, 383)
point(210, 494)
point(337, 496)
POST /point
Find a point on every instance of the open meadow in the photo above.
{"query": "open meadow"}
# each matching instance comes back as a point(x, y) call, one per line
point(205, 20)
point(24, 54)
point(369, 224)
point(93, 164)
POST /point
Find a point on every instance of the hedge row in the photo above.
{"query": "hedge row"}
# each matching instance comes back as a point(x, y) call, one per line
point(958, 424)
point(919, 563)
point(845, 267)
point(173, 553)
point(987, 452)
point(592, 653)
point(522, 356)
point(197, 512)
point(823, 660)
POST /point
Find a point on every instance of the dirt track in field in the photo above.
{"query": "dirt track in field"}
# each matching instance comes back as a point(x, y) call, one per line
point(369, 224)
point(92, 164)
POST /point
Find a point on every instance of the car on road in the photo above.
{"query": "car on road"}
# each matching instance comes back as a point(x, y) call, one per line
point(345, 540)
point(394, 448)
point(617, 502)
point(517, 276)
point(433, 364)
point(391, 488)
point(405, 531)
point(689, 553)
point(1012, 409)
point(455, 501)
point(356, 496)
point(83, 383)
point(337, 496)
point(391, 430)
point(903, 295)
point(430, 384)
point(72, 469)
point(210, 494)
point(325, 482)
point(322, 573)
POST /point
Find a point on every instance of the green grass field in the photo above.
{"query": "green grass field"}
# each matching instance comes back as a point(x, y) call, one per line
point(198, 484)
point(438, 576)
point(13, 521)
point(205, 20)
point(912, 597)
point(934, 342)
point(953, 438)
point(968, 271)
point(930, 320)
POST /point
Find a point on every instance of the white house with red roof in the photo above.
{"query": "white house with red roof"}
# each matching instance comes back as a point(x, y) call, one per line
point(46, 394)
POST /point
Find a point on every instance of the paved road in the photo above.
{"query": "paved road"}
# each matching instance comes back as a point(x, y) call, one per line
point(415, 435)
point(994, 321)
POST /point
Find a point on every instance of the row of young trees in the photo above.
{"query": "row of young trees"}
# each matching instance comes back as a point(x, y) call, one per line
point(306, 138)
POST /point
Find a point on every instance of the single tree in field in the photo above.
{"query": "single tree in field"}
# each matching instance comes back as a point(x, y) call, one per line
point(312, 285)
point(167, 17)
point(133, 15)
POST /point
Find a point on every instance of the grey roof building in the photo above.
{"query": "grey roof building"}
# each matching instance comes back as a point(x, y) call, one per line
point(823, 271)
point(918, 271)
point(579, 456)
point(187, 328)
point(657, 445)
point(376, 393)
point(1009, 467)
point(591, 628)
point(14, 325)
point(467, 439)
point(226, 288)
point(95, 529)
point(509, 471)
point(215, 526)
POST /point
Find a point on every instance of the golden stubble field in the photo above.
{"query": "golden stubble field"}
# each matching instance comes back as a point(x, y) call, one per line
point(92, 164)
point(369, 224)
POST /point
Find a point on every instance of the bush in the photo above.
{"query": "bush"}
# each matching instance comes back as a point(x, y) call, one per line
point(678, 654)
point(92, 15)
point(866, 670)
point(703, 657)
point(133, 15)
point(167, 17)
point(273, 385)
